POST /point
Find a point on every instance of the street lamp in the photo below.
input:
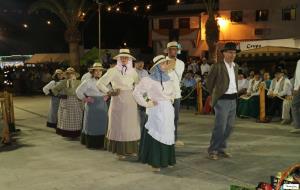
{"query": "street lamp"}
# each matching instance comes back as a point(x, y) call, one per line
point(99, 15)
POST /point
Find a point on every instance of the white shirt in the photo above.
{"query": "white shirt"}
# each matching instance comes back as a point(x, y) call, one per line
point(297, 77)
point(87, 75)
point(176, 76)
point(232, 89)
point(49, 86)
point(88, 88)
point(205, 68)
point(117, 80)
point(142, 73)
point(287, 86)
point(193, 67)
point(243, 84)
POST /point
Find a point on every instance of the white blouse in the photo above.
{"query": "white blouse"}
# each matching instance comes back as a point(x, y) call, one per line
point(154, 91)
point(117, 80)
point(49, 86)
point(88, 88)
point(253, 87)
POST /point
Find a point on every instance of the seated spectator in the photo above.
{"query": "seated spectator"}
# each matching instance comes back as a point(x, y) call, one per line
point(251, 75)
point(205, 67)
point(193, 67)
point(242, 84)
point(287, 105)
point(189, 81)
point(249, 104)
point(278, 91)
point(266, 79)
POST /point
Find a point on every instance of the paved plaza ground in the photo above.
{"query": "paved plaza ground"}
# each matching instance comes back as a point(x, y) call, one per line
point(41, 160)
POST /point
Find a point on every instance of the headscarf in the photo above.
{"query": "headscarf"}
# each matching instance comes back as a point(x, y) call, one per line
point(124, 69)
point(158, 75)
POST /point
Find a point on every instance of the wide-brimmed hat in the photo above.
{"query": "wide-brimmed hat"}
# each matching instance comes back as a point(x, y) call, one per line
point(57, 71)
point(229, 46)
point(124, 53)
point(71, 70)
point(279, 70)
point(161, 59)
point(173, 44)
point(97, 65)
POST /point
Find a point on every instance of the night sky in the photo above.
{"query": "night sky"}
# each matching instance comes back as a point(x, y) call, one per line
point(39, 37)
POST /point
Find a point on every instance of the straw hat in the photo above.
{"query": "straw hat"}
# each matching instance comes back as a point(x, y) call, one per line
point(173, 44)
point(161, 59)
point(71, 70)
point(124, 53)
point(57, 71)
point(97, 65)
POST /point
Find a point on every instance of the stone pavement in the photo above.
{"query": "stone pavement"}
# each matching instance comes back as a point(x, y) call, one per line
point(41, 160)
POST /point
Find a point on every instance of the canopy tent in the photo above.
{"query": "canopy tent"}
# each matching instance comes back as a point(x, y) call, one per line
point(269, 51)
point(48, 57)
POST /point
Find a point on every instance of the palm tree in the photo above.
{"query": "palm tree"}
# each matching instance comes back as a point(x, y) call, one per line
point(71, 13)
point(212, 30)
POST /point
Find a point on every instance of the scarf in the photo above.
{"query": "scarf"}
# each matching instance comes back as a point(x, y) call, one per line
point(124, 69)
point(158, 75)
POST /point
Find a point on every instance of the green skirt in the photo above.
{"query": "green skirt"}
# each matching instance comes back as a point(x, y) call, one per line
point(155, 153)
point(92, 141)
point(248, 108)
point(121, 148)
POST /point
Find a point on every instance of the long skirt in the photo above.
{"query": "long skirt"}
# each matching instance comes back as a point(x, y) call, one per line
point(69, 117)
point(158, 138)
point(94, 123)
point(123, 131)
point(154, 153)
point(53, 110)
point(248, 107)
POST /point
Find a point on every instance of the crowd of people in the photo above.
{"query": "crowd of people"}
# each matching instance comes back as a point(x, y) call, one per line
point(124, 109)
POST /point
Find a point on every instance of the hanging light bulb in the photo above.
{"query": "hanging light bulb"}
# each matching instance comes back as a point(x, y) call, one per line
point(177, 1)
point(135, 8)
point(148, 7)
point(109, 8)
point(118, 9)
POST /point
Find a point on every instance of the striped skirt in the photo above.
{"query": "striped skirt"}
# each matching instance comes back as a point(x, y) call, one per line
point(70, 116)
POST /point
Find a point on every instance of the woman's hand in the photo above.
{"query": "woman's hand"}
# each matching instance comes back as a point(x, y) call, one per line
point(88, 100)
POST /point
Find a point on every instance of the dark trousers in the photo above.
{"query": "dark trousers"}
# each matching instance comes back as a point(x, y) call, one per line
point(296, 110)
point(225, 113)
point(275, 105)
point(176, 119)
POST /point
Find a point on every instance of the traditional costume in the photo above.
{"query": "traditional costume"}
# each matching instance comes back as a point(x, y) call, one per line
point(95, 112)
point(70, 107)
point(157, 144)
point(249, 104)
point(176, 76)
point(54, 102)
point(278, 91)
point(123, 131)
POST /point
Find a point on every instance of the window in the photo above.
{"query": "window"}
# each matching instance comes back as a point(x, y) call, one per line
point(262, 31)
point(289, 14)
point(184, 23)
point(262, 15)
point(165, 23)
point(236, 16)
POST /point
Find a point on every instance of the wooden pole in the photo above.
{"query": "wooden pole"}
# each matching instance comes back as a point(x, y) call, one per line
point(262, 103)
point(199, 98)
point(5, 132)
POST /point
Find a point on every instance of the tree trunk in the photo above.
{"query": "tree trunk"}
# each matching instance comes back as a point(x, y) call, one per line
point(212, 36)
point(73, 37)
point(74, 55)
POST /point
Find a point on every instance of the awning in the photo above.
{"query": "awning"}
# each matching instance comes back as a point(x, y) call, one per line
point(269, 51)
point(48, 58)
